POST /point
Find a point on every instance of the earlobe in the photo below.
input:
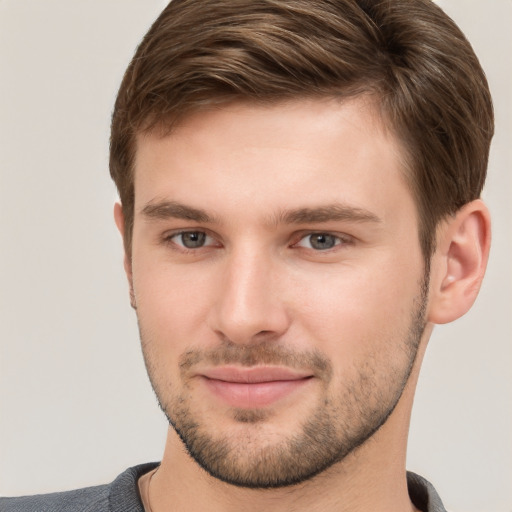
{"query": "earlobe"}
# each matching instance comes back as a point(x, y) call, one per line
point(119, 219)
point(459, 264)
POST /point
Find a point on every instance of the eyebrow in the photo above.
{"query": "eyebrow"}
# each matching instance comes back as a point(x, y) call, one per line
point(163, 210)
point(327, 213)
point(173, 210)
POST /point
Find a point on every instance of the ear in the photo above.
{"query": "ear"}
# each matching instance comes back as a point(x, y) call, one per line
point(119, 218)
point(459, 263)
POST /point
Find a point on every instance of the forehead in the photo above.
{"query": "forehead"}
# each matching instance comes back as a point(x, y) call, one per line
point(293, 154)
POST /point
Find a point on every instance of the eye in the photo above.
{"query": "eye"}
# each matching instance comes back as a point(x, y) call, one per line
point(191, 239)
point(320, 241)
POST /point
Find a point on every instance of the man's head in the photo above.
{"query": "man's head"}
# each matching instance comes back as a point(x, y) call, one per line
point(279, 283)
point(428, 85)
point(286, 170)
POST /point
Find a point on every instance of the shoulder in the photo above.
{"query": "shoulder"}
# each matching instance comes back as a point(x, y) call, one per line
point(119, 496)
point(83, 500)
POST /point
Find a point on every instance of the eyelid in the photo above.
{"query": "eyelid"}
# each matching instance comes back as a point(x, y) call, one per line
point(343, 239)
point(169, 237)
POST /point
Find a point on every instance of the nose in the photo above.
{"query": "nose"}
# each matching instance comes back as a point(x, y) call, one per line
point(248, 305)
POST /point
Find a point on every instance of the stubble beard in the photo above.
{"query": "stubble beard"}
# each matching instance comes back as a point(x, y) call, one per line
point(333, 430)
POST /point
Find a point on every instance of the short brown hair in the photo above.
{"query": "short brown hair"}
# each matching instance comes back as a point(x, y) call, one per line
point(431, 88)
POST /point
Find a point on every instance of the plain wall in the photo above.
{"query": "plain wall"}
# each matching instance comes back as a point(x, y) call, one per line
point(76, 407)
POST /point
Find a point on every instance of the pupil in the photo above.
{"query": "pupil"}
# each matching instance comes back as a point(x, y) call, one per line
point(193, 239)
point(322, 241)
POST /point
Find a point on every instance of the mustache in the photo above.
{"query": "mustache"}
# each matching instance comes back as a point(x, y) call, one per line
point(258, 354)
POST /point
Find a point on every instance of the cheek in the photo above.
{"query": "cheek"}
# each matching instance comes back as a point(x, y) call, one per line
point(171, 305)
point(355, 310)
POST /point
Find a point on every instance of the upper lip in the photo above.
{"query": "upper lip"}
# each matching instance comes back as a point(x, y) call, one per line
point(254, 374)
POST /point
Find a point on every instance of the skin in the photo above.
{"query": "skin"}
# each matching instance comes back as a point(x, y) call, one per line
point(259, 182)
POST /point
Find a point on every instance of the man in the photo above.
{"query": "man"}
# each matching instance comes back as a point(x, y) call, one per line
point(299, 188)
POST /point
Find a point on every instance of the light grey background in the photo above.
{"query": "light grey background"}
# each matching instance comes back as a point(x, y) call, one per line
point(75, 405)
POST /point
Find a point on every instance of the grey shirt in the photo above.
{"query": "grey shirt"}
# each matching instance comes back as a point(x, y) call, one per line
point(122, 495)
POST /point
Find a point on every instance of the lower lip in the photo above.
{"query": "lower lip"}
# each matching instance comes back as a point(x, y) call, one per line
point(253, 395)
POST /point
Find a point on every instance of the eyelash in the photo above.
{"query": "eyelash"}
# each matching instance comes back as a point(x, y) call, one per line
point(340, 240)
point(169, 239)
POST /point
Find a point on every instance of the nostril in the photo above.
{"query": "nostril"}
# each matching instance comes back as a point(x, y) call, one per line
point(233, 338)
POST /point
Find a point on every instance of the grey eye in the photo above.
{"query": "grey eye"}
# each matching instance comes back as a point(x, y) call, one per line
point(192, 239)
point(322, 241)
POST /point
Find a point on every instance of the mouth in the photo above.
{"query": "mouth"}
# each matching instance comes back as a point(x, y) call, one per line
point(254, 387)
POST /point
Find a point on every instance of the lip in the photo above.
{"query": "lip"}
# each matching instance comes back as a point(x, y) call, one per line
point(253, 374)
point(253, 387)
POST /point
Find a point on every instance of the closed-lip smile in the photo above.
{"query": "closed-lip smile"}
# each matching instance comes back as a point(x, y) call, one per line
point(253, 387)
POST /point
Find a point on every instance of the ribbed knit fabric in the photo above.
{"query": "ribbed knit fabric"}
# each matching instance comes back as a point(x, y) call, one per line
point(423, 494)
point(122, 495)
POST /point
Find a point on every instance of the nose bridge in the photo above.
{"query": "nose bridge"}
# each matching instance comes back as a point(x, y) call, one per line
point(248, 303)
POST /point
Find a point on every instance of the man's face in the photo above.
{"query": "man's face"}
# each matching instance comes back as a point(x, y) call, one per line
point(279, 284)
